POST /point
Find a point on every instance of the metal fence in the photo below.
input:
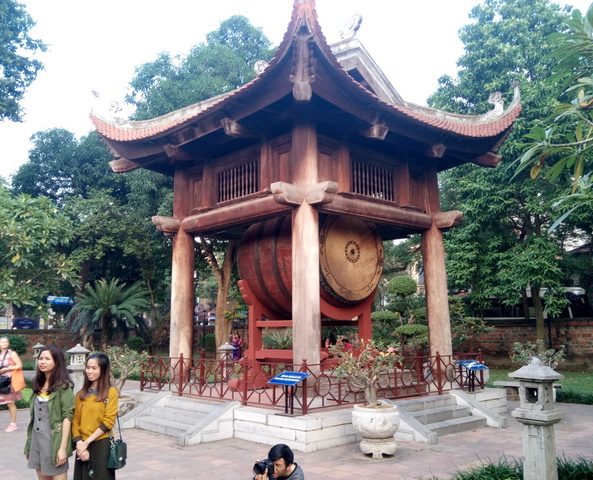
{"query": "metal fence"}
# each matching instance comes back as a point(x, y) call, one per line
point(218, 377)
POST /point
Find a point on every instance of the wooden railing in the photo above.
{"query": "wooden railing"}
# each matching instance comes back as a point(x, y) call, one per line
point(372, 181)
point(238, 181)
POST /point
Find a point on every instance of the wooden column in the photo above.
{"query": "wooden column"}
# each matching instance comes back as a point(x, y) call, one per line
point(435, 276)
point(182, 274)
point(306, 315)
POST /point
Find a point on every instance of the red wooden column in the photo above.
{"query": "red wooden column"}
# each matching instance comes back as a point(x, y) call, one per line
point(306, 315)
point(435, 276)
point(182, 274)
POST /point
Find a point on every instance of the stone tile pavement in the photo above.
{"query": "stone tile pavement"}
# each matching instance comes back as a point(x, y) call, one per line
point(151, 456)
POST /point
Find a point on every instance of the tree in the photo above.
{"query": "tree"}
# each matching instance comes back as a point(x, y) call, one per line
point(34, 236)
point(560, 145)
point(107, 305)
point(503, 246)
point(17, 67)
point(221, 64)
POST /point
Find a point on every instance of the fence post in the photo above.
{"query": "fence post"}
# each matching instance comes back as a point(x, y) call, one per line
point(246, 367)
point(181, 373)
point(142, 367)
point(304, 406)
point(439, 374)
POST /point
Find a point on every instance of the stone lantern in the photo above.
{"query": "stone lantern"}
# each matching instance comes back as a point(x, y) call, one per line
point(37, 351)
point(225, 353)
point(77, 365)
point(538, 414)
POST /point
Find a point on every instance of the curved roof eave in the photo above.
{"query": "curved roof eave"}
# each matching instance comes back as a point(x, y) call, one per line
point(489, 125)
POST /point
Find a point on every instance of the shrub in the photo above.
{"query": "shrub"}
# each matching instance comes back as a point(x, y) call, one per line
point(569, 396)
point(412, 334)
point(18, 343)
point(524, 352)
point(136, 343)
point(125, 362)
point(209, 342)
point(280, 338)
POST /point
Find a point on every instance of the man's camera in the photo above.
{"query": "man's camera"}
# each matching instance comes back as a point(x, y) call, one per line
point(264, 466)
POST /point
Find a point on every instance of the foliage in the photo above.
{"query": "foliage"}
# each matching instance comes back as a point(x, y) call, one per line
point(33, 235)
point(524, 352)
point(18, 343)
point(125, 362)
point(17, 66)
point(568, 469)
point(363, 366)
point(136, 343)
point(413, 335)
point(384, 323)
point(401, 289)
point(503, 245)
point(464, 328)
point(105, 305)
point(221, 64)
point(209, 342)
point(570, 396)
point(280, 338)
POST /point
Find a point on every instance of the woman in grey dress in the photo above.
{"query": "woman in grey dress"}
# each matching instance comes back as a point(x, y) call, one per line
point(48, 435)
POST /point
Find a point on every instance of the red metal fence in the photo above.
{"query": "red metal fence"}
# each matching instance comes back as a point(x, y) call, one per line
point(221, 378)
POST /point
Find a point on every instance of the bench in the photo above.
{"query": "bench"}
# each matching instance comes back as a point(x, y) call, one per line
point(512, 387)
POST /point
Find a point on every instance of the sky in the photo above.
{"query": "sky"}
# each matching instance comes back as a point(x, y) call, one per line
point(96, 46)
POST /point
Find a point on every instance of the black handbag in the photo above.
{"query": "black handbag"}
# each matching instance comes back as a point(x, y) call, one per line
point(118, 451)
point(5, 384)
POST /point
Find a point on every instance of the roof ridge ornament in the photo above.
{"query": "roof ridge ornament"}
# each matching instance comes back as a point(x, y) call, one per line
point(350, 28)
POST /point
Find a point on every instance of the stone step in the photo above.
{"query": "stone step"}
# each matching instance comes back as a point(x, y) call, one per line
point(190, 405)
point(457, 425)
point(180, 415)
point(423, 403)
point(162, 426)
point(440, 414)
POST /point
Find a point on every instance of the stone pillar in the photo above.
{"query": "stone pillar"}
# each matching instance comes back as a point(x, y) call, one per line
point(182, 274)
point(538, 414)
point(437, 297)
point(306, 312)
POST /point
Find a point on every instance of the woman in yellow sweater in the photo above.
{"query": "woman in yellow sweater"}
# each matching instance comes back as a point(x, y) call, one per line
point(95, 411)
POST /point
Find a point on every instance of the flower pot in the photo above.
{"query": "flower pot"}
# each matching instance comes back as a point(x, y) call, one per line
point(377, 427)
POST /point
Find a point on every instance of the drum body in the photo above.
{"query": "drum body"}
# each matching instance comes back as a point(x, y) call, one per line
point(350, 258)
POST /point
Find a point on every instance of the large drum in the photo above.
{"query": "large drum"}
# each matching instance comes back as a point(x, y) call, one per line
point(350, 257)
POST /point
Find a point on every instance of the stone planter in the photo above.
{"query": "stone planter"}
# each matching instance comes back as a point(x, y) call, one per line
point(377, 427)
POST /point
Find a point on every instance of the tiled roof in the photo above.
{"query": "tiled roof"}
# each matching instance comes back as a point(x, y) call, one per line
point(479, 126)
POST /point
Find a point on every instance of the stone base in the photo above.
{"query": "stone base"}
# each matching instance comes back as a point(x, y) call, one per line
point(378, 447)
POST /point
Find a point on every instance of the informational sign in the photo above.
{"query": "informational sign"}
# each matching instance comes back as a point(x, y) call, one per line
point(60, 300)
point(288, 378)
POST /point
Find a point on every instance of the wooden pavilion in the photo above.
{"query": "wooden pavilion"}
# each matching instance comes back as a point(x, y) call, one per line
point(318, 148)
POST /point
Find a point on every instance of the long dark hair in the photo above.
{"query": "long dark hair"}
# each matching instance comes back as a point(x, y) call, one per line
point(59, 376)
point(104, 381)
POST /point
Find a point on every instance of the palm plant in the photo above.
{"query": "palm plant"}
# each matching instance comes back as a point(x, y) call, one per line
point(104, 305)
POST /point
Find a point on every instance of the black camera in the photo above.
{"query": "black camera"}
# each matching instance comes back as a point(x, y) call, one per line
point(263, 466)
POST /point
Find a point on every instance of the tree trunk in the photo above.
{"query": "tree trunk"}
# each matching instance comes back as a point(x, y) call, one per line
point(223, 279)
point(105, 319)
point(540, 327)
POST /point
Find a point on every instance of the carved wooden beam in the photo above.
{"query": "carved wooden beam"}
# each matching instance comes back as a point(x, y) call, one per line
point(123, 165)
point(378, 212)
point(377, 131)
point(436, 151)
point(303, 74)
point(445, 220)
point(176, 153)
point(235, 129)
point(166, 225)
point(489, 159)
point(243, 213)
point(287, 193)
point(321, 193)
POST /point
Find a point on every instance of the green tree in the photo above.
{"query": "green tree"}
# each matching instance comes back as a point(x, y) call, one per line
point(18, 68)
point(221, 64)
point(506, 218)
point(107, 305)
point(34, 235)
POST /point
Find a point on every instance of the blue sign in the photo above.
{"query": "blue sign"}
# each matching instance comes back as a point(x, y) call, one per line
point(288, 378)
point(60, 300)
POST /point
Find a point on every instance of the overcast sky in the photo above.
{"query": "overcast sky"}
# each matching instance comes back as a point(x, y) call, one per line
point(97, 45)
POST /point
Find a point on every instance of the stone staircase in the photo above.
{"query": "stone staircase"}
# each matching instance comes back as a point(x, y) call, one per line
point(427, 418)
point(189, 421)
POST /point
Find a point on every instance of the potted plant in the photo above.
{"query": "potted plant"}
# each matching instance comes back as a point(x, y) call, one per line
point(363, 367)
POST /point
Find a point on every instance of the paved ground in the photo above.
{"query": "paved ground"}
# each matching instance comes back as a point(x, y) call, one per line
point(152, 456)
